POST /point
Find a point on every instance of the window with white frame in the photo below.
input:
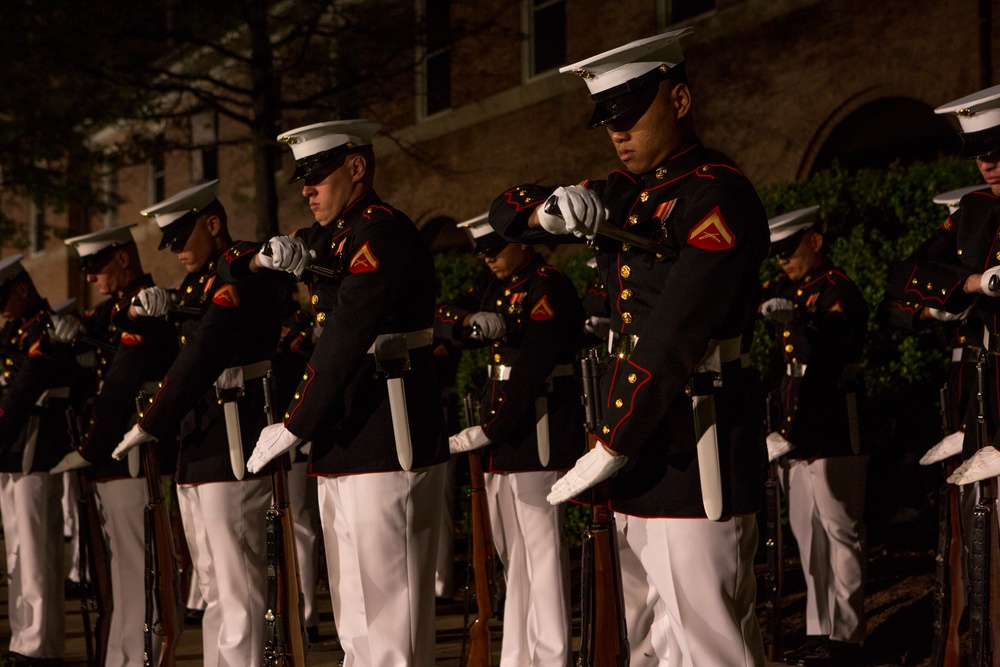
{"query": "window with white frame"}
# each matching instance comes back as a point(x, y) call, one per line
point(434, 57)
point(545, 28)
point(204, 147)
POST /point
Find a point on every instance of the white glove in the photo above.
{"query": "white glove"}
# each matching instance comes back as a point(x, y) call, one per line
point(777, 446)
point(135, 437)
point(468, 439)
point(984, 281)
point(152, 302)
point(945, 316)
point(580, 210)
point(985, 464)
point(948, 447)
point(65, 328)
point(779, 310)
point(274, 441)
point(597, 326)
point(288, 253)
point(593, 467)
point(492, 325)
point(72, 461)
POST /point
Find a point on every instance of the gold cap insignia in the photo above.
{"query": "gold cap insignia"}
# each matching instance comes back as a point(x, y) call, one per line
point(583, 73)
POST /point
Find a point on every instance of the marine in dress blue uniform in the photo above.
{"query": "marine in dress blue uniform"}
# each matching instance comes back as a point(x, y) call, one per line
point(682, 300)
point(38, 374)
point(531, 426)
point(131, 356)
point(820, 321)
point(227, 336)
point(367, 399)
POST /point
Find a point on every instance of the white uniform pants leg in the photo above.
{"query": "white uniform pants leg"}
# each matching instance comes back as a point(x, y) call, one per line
point(32, 524)
point(380, 531)
point(444, 568)
point(122, 504)
point(203, 570)
point(702, 571)
point(536, 612)
point(71, 523)
point(826, 506)
point(646, 620)
point(305, 519)
point(233, 536)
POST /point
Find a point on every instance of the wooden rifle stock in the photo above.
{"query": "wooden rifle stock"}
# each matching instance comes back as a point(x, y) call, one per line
point(984, 602)
point(603, 635)
point(285, 639)
point(162, 580)
point(949, 588)
point(774, 545)
point(484, 556)
point(94, 561)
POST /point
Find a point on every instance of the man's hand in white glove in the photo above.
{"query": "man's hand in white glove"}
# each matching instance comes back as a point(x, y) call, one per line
point(779, 310)
point(945, 316)
point(593, 467)
point(72, 461)
point(986, 280)
point(777, 446)
point(285, 253)
point(985, 464)
point(152, 302)
point(65, 328)
point(572, 209)
point(948, 447)
point(274, 441)
point(468, 439)
point(491, 325)
point(135, 437)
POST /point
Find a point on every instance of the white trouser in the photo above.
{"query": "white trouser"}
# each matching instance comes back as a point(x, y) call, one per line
point(229, 553)
point(122, 505)
point(444, 568)
point(646, 620)
point(527, 534)
point(701, 573)
point(381, 532)
point(826, 502)
point(305, 517)
point(32, 528)
point(71, 523)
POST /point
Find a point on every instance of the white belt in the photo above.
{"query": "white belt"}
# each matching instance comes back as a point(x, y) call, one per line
point(414, 339)
point(795, 370)
point(237, 376)
point(501, 373)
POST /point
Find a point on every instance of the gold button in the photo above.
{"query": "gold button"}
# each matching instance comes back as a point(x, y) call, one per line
point(626, 271)
point(627, 318)
point(619, 403)
point(943, 291)
point(798, 292)
point(606, 430)
point(788, 418)
point(321, 317)
point(499, 302)
point(632, 219)
point(189, 289)
point(297, 396)
point(506, 292)
point(306, 376)
point(914, 281)
point(959, 252)
point(786, 333)
point(340, 224)
point(626, 294)
point(496, 358)
point(789, 348)
point(930, 286)
point(368, 212)
point(644, 196)
point(287, 415)
point(315, 299)
point(632, 378)
point(183, 340)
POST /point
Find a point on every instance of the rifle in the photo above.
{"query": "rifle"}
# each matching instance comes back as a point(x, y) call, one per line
point(774, 544)
point(285, 638)
point(162, 583)
point(984, 601)
point(484, 556)
point(949, 588)
point(94, 561)
point(603, 635)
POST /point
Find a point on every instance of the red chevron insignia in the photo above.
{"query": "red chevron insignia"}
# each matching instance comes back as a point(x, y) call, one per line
point(226, 296)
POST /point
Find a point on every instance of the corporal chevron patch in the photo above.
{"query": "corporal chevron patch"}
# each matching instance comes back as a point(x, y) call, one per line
point(712, 233)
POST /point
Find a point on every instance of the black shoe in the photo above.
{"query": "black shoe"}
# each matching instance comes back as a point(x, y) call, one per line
point(835, 654)
point(193, 616)
point(812, 644)
point(312, 632)
point(74, 590)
